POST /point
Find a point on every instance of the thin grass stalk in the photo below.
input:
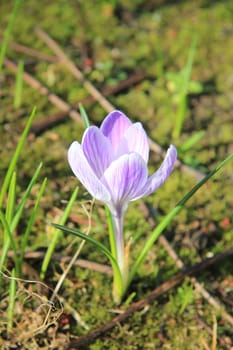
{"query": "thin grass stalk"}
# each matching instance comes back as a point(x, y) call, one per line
point(10, 229)
point(31, 222)
point(11, 305)
point(12, 243)
point(19, 85)
point(84, 116)
point(192, 140)
point(8, 32)
point(182, 109)
point(10, 206)
point(23, 201)
point(57, 234)
point(15, 157)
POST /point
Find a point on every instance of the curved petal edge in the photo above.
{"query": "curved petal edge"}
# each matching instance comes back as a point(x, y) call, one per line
point(160, 176)
point(85, 174)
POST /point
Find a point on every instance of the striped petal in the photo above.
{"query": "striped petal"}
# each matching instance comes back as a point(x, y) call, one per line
point(114, 127)
point(124, 177)
point(97, 149)
point(85, 173)
point(158, 178)
point(135, 140)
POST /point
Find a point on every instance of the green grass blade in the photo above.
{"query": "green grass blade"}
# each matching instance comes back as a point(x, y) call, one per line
point(15, 157)
point(31, 222)
point(7, 245)
point(89, 239)
point(10, 206)
point(84, 116)
point(117, 274)
point(19, 85)
point(9, 215)
point(164, 223)
point(8, 32)
point(191, 141)
point(57, 234)
point(11, 305)
point(184, 92)
point(22, 203)
point(12, 225)
point(188, 68)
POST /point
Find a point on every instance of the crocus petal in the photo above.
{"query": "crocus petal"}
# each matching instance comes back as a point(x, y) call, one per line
point(135, 140)
point(97, 149)
point(124, 177)
point(85, 174)
point(158, 178)
point(114, 127)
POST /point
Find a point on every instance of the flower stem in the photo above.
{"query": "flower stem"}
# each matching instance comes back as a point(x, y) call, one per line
point(118, 219)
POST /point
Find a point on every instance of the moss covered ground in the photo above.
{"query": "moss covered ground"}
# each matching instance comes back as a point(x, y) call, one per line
point(110, 42)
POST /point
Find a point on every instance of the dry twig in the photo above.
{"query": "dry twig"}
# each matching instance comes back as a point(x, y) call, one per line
point(31, 52)
point(56, 118)
point(87, 264)
point(97, 95)
point(54, 99)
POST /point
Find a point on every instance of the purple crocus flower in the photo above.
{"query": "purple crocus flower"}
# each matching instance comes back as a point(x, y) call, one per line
point(111, 162)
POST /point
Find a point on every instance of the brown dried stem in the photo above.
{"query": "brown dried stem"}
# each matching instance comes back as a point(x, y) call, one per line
point(75, 70)
point(87, 264)
point(54, 99)
point(56, 118)
point(31, 52)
